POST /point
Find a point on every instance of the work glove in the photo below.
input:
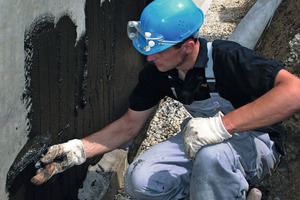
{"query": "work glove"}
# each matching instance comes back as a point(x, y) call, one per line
point(59, 158)
point(200, 132)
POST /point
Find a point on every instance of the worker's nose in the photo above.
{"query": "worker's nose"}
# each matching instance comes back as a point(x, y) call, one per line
point(151, 57)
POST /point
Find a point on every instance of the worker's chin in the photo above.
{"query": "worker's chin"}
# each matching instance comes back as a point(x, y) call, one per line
point(161, 68)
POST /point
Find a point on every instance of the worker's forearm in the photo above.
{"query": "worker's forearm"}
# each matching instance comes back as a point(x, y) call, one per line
point(117, 133)
point(276, 105)
point(108, 139)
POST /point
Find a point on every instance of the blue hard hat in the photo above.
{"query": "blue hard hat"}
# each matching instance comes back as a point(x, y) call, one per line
point(164, 23)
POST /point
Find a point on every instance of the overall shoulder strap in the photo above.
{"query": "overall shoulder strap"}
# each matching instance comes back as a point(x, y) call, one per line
point(209, 69)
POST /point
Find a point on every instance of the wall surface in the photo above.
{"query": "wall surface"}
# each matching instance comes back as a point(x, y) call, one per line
point(16, 17)
point(67, 70)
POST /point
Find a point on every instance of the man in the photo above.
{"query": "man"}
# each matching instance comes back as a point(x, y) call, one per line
point(226, 145)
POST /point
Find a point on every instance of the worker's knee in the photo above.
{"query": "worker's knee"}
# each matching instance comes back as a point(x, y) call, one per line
point(141, 182)
point(214, 166)
point(213, 159)
point(136, 178)
point(144, 181)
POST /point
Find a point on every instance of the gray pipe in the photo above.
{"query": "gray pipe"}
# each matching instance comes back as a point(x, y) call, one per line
point(249, 30)
point(203, 4)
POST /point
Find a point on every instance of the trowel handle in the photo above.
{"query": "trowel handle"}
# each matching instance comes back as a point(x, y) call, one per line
point(44, 175)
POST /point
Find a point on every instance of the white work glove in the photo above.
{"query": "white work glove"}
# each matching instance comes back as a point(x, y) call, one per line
point(59, 158)
point(200, 132)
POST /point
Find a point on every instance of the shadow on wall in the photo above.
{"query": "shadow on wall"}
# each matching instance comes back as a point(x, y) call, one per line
point(73, 88)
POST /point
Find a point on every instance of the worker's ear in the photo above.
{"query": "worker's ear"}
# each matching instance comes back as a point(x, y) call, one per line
point(189, 46)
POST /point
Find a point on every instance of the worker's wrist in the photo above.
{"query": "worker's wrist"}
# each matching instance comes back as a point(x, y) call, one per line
point(227, 124)
point(87, 148)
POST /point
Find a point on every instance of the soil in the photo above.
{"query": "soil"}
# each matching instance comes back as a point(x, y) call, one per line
point(280, 41)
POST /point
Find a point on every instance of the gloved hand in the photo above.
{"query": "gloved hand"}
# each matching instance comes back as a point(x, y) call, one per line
point(59, 158)
point(199, 132)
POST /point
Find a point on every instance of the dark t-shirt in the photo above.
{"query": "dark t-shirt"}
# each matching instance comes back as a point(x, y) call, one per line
point(241, 76)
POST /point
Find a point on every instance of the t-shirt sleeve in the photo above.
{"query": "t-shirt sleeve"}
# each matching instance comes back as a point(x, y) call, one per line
point(241, 75)
point(149, 90)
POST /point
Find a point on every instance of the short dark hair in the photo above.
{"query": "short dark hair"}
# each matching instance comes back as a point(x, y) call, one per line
point(178, 45)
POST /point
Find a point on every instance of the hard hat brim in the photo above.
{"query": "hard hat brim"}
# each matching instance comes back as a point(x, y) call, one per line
point(157, 49)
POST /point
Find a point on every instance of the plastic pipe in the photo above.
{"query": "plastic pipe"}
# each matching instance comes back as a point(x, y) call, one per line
point(203, 4)
point(249, 30)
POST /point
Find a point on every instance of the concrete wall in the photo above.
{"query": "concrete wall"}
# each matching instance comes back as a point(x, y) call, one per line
point(66, 66)
point(15, 17)
point(67, 69)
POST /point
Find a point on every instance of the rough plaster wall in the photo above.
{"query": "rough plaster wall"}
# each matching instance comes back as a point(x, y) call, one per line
point(15, 17)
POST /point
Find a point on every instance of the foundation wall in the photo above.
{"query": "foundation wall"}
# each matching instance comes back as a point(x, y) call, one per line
point(67, 71)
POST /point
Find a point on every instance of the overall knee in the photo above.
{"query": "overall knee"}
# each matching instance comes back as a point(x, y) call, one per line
point(145, 181)
point(136, 177)
point(210, 159)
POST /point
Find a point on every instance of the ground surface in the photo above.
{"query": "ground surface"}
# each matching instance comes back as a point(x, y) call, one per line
point(281, 41)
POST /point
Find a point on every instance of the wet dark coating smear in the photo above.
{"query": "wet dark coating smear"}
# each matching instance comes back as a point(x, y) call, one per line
point(37, 147)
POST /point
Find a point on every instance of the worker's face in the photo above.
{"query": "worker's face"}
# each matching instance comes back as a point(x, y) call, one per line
point(168, 59)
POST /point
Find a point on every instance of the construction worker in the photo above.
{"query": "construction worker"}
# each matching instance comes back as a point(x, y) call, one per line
point(234, 137)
